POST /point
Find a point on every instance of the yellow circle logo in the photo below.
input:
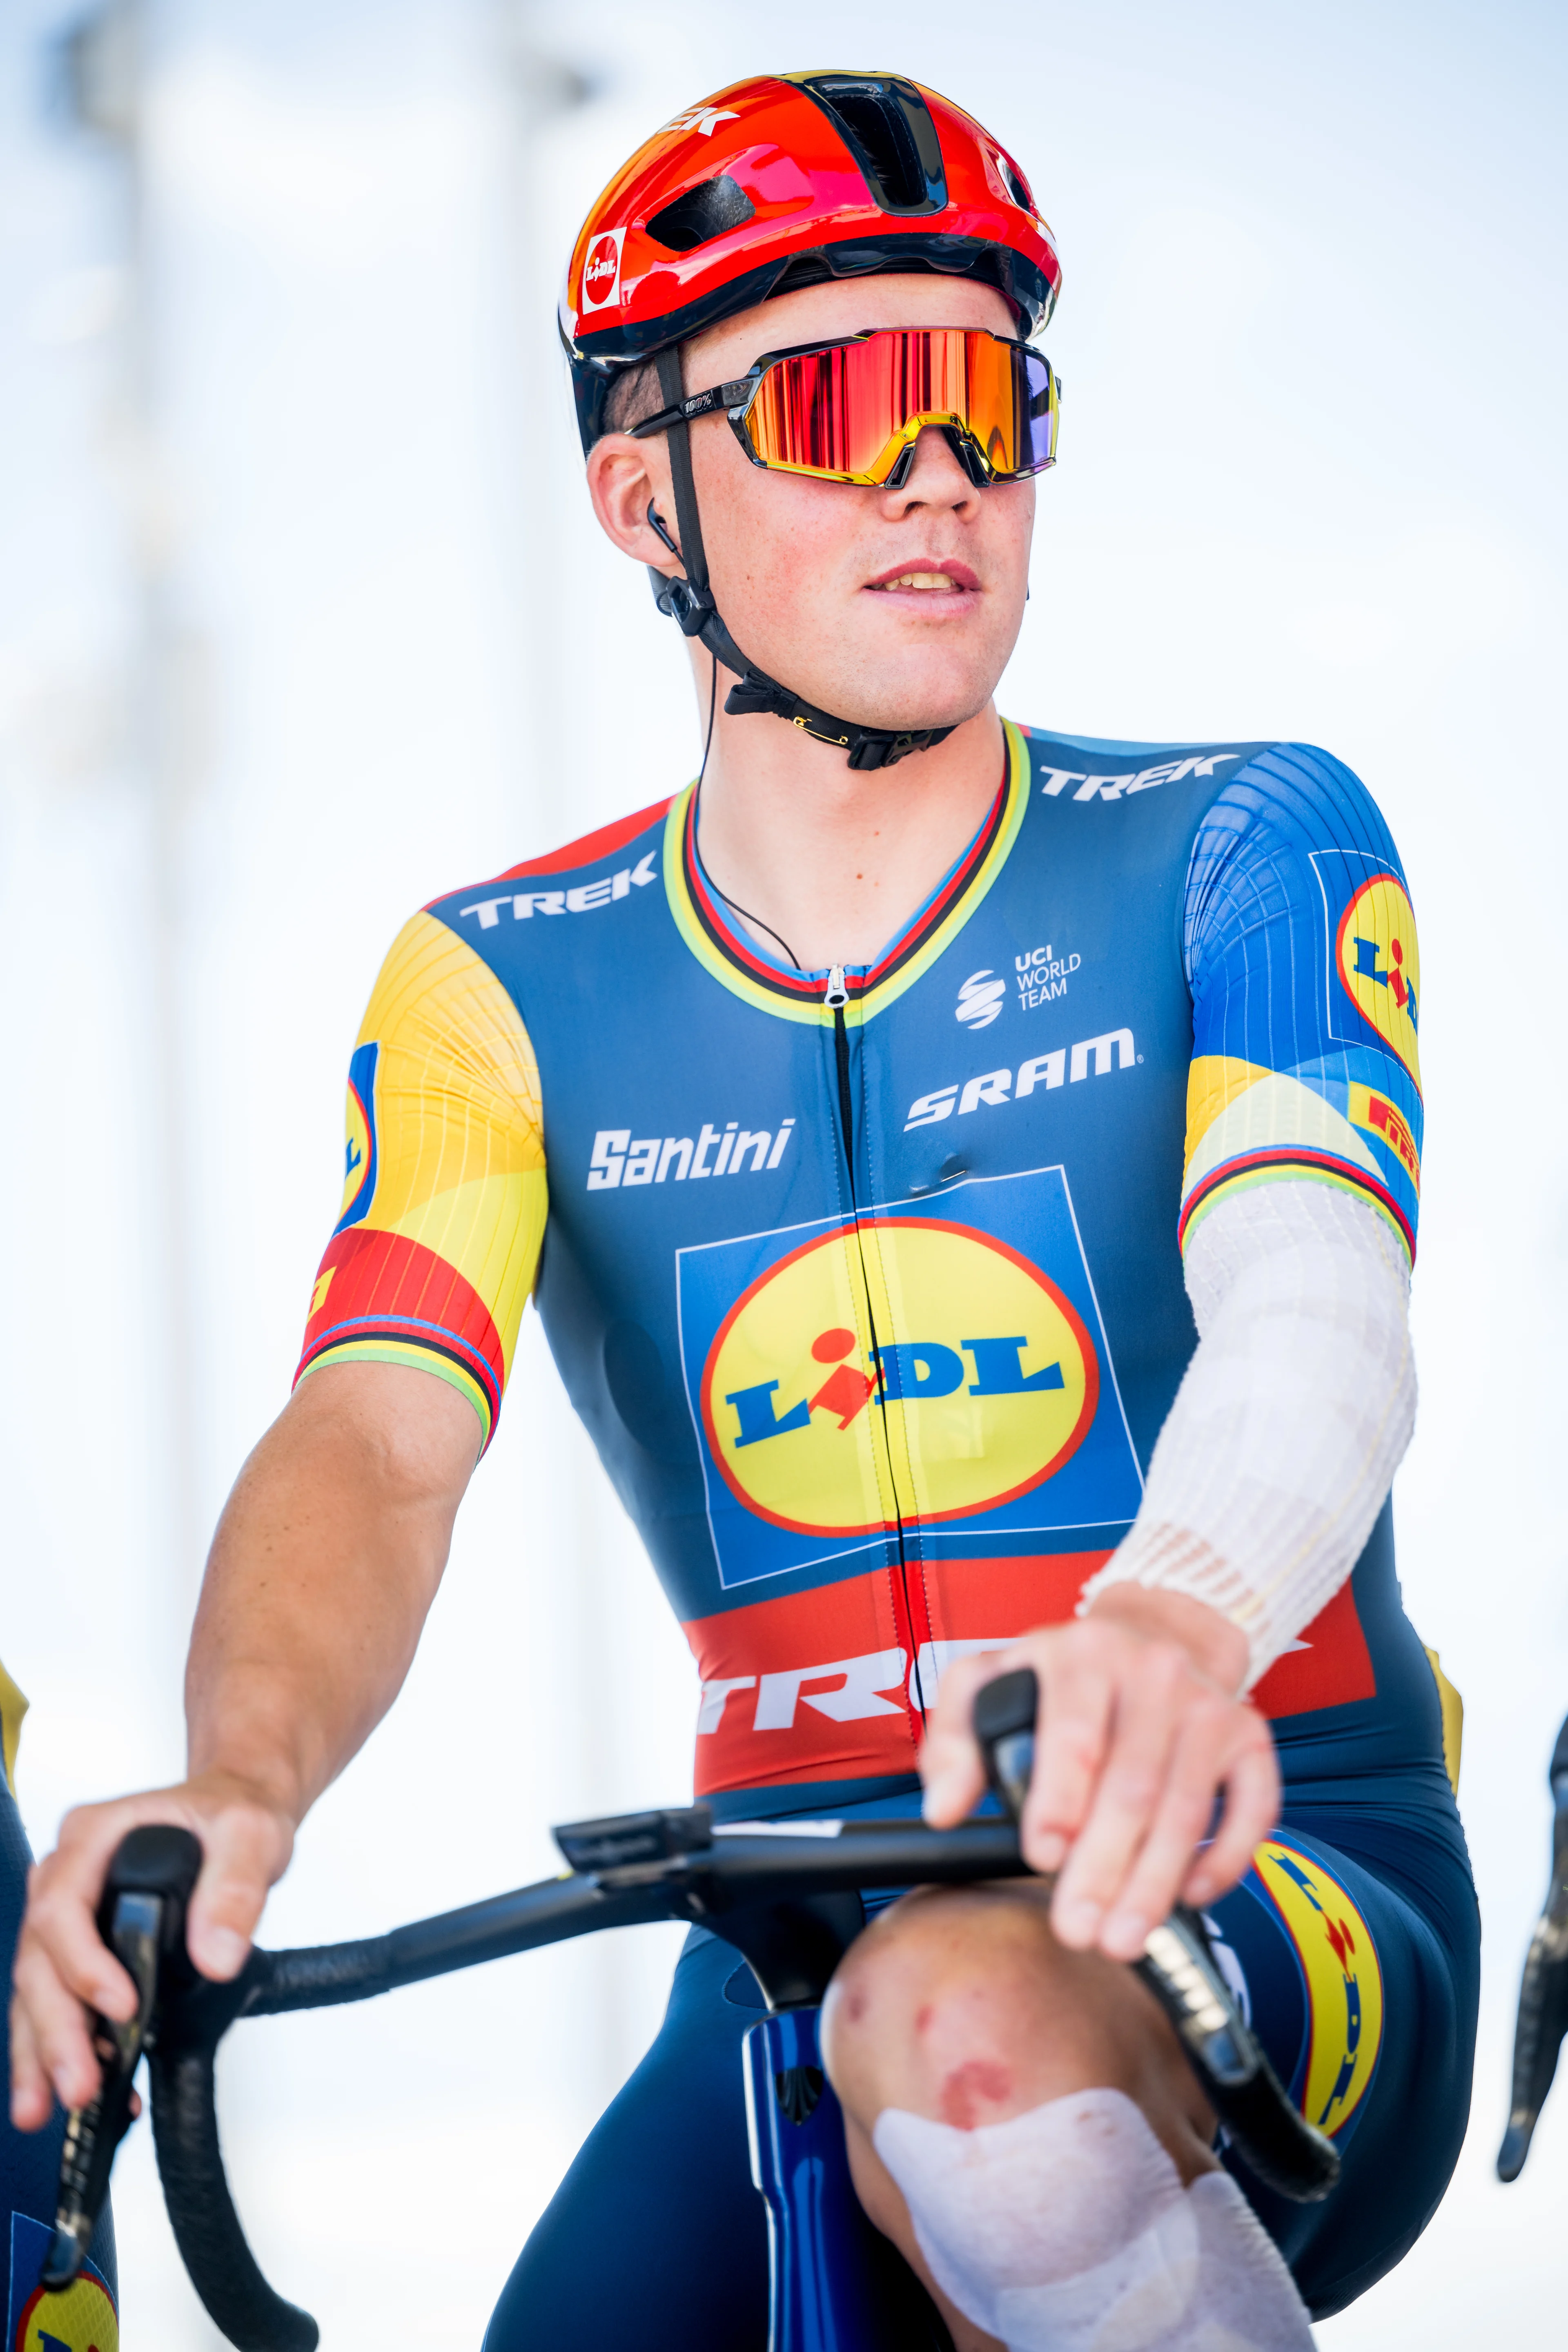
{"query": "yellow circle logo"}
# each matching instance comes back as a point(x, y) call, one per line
point(81, 2319)
point(1380, 964)
point(824, 1416)
point(1344, 1980)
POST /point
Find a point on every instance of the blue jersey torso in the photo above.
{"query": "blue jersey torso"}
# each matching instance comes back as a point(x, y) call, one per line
point(873, 1308)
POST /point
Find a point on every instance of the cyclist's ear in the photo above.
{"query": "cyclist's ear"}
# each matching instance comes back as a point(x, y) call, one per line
point(624, 477)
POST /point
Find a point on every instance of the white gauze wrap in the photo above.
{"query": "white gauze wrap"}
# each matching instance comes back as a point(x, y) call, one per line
point(1293, 1415)
point(1068, 2229)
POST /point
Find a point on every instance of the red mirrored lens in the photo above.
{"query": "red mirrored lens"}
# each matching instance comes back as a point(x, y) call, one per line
point(847, 411)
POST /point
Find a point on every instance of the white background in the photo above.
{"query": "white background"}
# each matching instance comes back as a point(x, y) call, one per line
point(303, 620)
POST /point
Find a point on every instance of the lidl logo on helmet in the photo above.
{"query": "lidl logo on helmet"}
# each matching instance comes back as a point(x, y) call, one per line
point(940, 1374)
point(601, 270)
point(980, 1000)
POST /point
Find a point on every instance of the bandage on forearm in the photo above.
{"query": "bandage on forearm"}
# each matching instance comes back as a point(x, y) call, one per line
point(1067, 2229)
point(1293, 1415)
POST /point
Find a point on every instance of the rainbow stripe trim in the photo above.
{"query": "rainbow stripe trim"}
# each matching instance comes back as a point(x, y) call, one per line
point(367, 1294)
point(1289, 1159)
point(797, 996)
point(439, 1355)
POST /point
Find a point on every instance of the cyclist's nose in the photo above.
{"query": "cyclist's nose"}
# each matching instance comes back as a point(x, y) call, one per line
point(936, 477)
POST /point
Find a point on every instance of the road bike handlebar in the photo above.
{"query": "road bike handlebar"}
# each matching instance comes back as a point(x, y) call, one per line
point(1268, 2129)
point(789, 1902)
point(1542, 2017)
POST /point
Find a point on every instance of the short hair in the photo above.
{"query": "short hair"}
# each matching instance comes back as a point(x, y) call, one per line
point(634, 396)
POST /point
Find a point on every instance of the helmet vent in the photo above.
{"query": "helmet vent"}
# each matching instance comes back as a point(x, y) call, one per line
point(886, 124)
point(703, 212)
point(1013, 180)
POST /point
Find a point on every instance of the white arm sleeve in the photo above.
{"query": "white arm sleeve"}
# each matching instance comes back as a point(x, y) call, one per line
point(1291, 1419)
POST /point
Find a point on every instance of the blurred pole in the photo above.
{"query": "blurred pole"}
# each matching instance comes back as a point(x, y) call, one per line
point(545, 88)
point(106, 58)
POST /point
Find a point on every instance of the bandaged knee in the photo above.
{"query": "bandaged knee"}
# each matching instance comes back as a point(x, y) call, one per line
point(1068, 2229)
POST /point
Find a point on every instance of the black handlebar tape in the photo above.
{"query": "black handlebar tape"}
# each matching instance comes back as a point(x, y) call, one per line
point(222, 2269)
point(1270, 2133)
point(1543, 2016)
point(140, 1917)
point(1558, 1774)
point(1269, 2130)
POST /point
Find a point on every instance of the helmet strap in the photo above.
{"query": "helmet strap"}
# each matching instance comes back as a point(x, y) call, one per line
point(691, 603)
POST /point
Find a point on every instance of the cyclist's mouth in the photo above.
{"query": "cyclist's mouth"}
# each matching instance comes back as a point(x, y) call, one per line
point(950, 584)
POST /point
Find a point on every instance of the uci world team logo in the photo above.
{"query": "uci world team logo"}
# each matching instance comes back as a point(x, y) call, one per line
point(914, 1370)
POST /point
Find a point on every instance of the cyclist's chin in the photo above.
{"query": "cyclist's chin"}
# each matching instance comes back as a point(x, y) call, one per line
point(899, 687)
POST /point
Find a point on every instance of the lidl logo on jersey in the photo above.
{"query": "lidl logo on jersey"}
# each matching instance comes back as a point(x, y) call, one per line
point(946, 1373)
point(359, 1143)
point(82, 2318)
point(1373, 951)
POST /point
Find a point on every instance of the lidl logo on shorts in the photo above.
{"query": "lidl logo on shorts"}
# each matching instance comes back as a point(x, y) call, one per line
point(1373, 954)
point(1343, 1982)
point(81, 2319)
point(359, 1144)
point(945, 1372)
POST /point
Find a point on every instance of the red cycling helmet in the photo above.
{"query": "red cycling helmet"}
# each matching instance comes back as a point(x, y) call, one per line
point(777, 183)
point(780, 181)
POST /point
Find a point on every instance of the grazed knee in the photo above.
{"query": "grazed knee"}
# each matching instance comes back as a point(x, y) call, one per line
point(962, 2006)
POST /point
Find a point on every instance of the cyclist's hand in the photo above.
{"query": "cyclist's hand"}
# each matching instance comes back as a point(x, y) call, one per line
point(1140, 1730)
point(63, 1970)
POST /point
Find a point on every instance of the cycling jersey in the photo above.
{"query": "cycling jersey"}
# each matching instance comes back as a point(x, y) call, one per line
point(868, 1284)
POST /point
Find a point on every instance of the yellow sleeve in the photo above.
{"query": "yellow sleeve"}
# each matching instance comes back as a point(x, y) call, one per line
point(13, 1708)
point(437, 1247)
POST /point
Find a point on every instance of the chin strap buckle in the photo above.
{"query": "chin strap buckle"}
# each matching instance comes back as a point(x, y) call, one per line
point(868, 746)
point(877, 750)
point(690, 607)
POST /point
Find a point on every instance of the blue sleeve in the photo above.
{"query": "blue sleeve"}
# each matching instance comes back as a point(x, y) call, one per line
point(1300, 951)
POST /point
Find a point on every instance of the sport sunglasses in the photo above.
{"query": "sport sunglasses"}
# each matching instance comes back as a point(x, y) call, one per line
point(852, 410)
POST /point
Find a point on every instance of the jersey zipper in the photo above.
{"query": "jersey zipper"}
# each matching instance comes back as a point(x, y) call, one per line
point(836, 997)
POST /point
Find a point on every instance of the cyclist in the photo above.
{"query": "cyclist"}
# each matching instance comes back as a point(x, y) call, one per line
point(29, 2166)
point(968, 1175)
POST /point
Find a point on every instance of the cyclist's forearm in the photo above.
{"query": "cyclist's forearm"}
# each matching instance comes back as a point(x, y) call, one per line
point(325, 1562)
point(1293, 1417)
